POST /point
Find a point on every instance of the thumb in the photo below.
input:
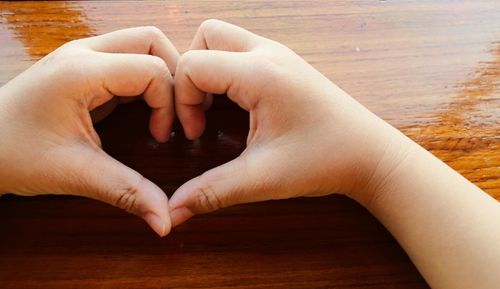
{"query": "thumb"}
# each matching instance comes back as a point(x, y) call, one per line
point(238, 181)
point(90, 172)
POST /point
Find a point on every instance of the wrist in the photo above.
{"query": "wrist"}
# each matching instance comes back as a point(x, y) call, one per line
point(368, 149)
point(384, 166)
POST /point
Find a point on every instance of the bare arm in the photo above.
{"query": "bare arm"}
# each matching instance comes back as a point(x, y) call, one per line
point(447, 225)
point(309, 138)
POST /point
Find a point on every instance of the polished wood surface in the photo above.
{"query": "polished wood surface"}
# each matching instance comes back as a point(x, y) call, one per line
point(430, 68)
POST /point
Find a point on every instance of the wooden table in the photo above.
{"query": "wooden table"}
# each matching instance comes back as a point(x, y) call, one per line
point(430, 68)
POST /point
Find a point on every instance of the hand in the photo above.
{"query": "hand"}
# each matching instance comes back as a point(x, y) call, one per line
point(48, 144)
point(307, 137)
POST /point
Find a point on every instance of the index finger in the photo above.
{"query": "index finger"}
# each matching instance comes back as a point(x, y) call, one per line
point(219, 35)
point(137, 40)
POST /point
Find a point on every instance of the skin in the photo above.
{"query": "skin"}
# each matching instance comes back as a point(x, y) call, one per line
point(48, 143)
point(307, 138)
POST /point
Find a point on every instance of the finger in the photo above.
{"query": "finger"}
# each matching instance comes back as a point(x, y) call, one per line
point(207, 103)
point(137, 40)
point(129, 75)
point(258, 174)
point(219, 35)
point(216, 72)
point(208, 192)
point(90, 172)
point(101, 112)
point(242, 180)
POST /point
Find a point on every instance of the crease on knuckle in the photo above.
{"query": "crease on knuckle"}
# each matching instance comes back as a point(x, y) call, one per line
point(127, 197)
point(207, 198)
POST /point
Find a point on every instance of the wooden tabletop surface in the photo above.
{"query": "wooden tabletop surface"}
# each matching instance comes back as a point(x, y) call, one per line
point(430, 68)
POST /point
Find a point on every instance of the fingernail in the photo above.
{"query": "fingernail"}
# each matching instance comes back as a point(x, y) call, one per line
point(156, 223)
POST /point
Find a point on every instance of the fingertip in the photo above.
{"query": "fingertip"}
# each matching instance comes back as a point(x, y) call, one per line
point(193, 121)
point(180, 202)
point(160, 125)
point(160, 226)
point(153, 203)
point(207, 103)
point(180, 215)
point(192, 134)
point(161, 136)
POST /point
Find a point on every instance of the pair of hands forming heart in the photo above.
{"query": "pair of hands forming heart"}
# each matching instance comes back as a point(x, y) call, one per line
point(307, 137)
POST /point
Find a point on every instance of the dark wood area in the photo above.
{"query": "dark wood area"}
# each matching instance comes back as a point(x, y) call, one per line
point(430, 68)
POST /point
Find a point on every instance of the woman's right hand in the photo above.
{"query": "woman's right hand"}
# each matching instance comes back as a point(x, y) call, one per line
point(47, 142)
point(307, 136)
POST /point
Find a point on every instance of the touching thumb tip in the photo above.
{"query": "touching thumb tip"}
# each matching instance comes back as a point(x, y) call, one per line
point(161, 227)
point(122, 187)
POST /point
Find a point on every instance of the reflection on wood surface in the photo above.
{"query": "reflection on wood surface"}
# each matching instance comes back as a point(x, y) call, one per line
point(45, 27)
point(467, 133)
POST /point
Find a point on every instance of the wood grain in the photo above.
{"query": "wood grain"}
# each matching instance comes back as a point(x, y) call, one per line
point(430, 68)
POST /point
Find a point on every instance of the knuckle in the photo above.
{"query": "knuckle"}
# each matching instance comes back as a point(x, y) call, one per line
point(210, 25)
point(158, 63)
point(154, 32)
point(62, 55)
point(70, 45)
point(127, 197)
point(67, 65)
point(207, 198)
point(187, 59)
point(265, 65)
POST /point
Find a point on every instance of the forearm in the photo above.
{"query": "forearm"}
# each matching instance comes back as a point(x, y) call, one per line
point(447, 225)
